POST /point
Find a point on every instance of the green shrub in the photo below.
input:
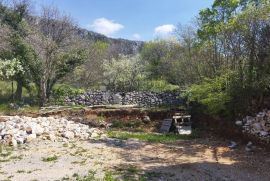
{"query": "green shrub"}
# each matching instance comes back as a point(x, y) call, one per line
point(60, 91)
point(212, 94)
point(158, 86)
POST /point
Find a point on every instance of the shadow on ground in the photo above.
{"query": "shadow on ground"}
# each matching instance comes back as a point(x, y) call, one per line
point(197, 159)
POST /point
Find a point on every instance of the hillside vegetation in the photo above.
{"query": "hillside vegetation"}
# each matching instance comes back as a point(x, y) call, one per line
point(221, 62)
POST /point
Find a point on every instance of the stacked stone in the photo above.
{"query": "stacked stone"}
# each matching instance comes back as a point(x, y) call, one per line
point(258, 125)
point(144, 99)
point(19, 130)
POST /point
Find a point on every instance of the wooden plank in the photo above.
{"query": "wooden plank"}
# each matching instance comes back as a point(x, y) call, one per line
point(166, 125)
point(180, 117)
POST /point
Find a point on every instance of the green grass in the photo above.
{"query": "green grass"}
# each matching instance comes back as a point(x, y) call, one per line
point(150, 137)
point(50, 159)
point(126, 124)
point(6, 89)
point(6, 109)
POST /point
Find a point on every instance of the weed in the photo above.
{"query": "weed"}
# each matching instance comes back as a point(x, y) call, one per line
point(65, 145)
point(21, 171)
point(89, 177)
point(83, 162)
point(50, 159)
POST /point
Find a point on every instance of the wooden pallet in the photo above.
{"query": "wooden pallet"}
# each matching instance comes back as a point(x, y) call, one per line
point(166, 125)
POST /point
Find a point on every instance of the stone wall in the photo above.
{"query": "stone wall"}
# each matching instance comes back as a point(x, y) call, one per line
point(143, 99)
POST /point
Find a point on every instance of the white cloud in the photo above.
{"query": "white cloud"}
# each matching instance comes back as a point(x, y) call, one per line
point(105, 26)
point(136, 36)
point(164, 30)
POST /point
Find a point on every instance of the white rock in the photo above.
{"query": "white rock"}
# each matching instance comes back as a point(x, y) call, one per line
point(30, 138)
point(38, 130)
point(52, 137)
point(263, 133)
point(20, 140)
point(68, 134)
point(239, 123)
point(14, 142)
point(94, 135)
point(257, 126)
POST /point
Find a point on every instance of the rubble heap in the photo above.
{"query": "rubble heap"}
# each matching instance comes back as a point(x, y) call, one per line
point(258, 125)
point(19, 130)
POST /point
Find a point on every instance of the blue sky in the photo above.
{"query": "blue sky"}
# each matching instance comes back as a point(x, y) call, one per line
point(130, 19)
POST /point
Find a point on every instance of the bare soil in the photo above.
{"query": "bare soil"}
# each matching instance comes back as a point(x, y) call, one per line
point(199, 159)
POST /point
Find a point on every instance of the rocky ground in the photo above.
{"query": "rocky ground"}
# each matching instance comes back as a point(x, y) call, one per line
point(98, 157)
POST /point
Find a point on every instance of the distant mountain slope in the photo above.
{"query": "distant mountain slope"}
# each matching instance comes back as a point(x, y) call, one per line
point(119, 46)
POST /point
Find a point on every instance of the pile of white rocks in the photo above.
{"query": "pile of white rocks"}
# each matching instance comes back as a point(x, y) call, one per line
point(258, 125)
point(19, 130)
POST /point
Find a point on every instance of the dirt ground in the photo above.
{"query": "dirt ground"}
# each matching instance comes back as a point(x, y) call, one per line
point(198, 159)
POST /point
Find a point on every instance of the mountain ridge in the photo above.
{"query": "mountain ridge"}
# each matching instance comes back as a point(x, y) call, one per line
point(118, 45)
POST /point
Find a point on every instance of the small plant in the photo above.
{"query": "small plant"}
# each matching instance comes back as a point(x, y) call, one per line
point(109, 177)
point(21, 171)
point(89, 177)
point(50, 159)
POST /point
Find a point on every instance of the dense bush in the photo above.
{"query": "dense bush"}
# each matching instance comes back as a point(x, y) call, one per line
point(60, 91)
point(212, 94)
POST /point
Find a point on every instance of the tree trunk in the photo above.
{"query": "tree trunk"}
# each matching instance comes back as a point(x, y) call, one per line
point(43, 94)
point(18, 93)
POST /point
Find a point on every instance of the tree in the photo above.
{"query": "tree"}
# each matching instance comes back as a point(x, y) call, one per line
point(123, 74)
point(90, 73)
point(58, 50)
point(9, 69)
point(4, 35)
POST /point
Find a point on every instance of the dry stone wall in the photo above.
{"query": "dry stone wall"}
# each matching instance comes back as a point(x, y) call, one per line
point(143, 99)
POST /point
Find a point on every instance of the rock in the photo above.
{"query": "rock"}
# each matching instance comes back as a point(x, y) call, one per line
point(14, 142)
point(239, 123)
point(263, 133)
point(8, 139)
point(20, 140)
point(146, 119)
point(95, 135)
point(257, 126)
point(38, 130)
point(68, 135)
point(232, 145)
point(30, 138)
point(28, 130)
point(52, 137)
point(250, 147)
